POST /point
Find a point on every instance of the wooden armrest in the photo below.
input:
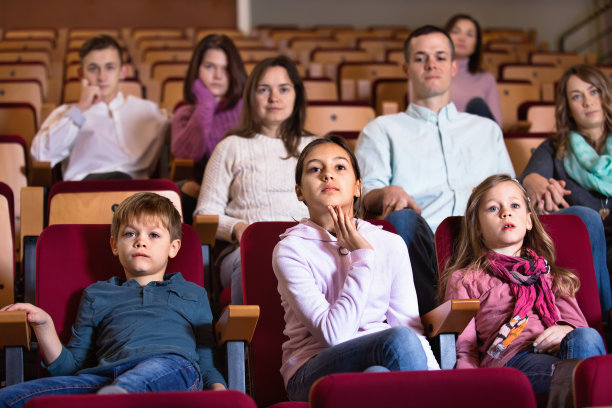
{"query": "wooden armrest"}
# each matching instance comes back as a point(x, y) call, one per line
point(237, 323)
point(41, 174)
point(450, 317)
point(206, 227)
point(32, 212)
point(14, 329)
point(181, 169)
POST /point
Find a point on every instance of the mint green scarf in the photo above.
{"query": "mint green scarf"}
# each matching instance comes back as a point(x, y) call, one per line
point(586, 167)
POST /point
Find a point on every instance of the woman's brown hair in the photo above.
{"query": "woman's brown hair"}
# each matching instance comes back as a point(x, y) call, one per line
point(470, 249)
point(235, 69)
point(292, 129)
point(474, 60)
point(563, 115)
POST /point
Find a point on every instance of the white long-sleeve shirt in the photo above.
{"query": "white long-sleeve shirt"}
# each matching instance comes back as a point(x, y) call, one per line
point(330, 298)
point(249, 180)
point(125, 135)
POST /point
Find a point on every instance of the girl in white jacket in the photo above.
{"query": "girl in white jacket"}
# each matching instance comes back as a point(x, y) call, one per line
point(345, 284)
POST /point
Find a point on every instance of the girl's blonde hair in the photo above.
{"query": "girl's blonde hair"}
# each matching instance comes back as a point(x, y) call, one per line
point(469, 251)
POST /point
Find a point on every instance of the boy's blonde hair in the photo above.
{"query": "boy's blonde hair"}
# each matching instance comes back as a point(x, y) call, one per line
point(469, 251)
point(148, 205)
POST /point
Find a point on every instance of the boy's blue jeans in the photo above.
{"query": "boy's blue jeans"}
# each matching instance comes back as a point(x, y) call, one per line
point(167, 372)
point(582, 342)
point(396, 349)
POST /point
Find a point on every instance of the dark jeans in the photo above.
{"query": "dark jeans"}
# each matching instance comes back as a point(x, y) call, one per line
point(422, 250)
point(166, 372)
point(396, 349)
point(582, 342)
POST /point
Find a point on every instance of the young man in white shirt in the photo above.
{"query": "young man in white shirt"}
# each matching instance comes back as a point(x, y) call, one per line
point(104, 135)
point(420, 166)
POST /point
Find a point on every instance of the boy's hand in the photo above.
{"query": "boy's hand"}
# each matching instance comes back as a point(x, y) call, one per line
point(50, 345)
point(550, 339)
point(90, 94)
point(346, 232)
point(36, 316)
point(217, 387)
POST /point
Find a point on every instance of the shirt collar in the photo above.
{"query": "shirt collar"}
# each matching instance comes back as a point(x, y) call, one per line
point(420, 112)
point(117, 102)
point(168, 279)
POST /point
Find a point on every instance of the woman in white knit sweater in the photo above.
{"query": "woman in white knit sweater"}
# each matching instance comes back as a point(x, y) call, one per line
point(246, 177)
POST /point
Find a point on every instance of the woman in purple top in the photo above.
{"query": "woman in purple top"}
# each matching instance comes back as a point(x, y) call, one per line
point(472, 90)
point(213, 92)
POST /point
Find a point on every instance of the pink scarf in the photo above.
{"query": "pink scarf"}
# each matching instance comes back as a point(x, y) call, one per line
point(529, 289)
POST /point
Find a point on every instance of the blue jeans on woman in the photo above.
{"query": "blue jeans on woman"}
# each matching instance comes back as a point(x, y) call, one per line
point(582, 342)
point(595, 227)
point(396, 349)
point(167, 372)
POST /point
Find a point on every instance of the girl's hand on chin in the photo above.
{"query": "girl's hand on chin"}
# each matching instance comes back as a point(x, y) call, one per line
point(346, 232)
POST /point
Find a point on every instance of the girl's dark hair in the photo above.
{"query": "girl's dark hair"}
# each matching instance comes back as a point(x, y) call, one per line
point(563, 115)
point(337, 140)
point(475, 60)
point(330, 138)
point(292, 129)
point(235, 68)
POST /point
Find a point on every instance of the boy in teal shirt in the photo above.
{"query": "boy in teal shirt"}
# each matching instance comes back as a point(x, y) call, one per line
point(147, 332)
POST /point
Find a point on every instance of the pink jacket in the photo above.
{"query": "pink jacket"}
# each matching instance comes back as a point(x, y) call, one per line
point(329, 298)
point(496, 306)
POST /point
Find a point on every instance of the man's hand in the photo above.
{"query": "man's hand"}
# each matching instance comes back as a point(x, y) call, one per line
point(394, 198)
point(90, 95)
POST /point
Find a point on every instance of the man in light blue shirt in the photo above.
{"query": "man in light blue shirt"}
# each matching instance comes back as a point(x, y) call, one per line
point(420, 166)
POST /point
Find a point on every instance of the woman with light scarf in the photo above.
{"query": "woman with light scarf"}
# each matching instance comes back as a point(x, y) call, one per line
point(571, 172)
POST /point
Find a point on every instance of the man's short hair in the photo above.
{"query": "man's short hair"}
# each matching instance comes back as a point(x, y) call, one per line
point(148, 205)
point(427, 29)
point(100, 42)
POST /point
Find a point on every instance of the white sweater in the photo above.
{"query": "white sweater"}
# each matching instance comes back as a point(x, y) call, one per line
point(248, 180)
point(329, 298)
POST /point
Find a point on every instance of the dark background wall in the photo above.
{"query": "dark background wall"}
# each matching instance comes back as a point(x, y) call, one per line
point(117, 13)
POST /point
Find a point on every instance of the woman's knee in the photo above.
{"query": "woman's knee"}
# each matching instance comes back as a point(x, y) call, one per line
point(582, 342)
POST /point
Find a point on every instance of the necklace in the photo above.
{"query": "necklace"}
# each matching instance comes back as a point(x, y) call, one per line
point(604, 211)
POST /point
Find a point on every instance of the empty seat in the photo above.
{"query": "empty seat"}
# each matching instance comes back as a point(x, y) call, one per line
point(171, 92)
point(591, 382)
point(355, 78)
point(563, 60)
point(322, 118)
point(320, 89)
point(390, 90)
point(324, 62)
point(7, 249)
point(511, 95)
point(538, 116)
point(22, 91)
point(520, 146)
point(18, 119)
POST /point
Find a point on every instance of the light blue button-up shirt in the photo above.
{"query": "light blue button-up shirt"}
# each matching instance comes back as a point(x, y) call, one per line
point(436, 159)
